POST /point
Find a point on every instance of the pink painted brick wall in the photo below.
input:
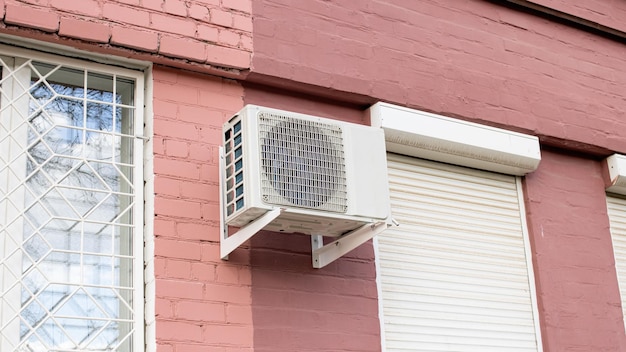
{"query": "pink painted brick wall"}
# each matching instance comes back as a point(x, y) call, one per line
point(473, 59)
point(296, 307)
point(578, 295)
point(202, 302)
point(217, 33)
point(605, 12)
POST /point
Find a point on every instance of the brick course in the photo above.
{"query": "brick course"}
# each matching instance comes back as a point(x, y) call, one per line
point(171, 29)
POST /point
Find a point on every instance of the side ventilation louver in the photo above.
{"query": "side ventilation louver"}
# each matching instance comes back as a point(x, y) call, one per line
point(234, 168)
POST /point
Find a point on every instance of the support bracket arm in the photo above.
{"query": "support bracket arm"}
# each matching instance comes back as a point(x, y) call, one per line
point(326, 254)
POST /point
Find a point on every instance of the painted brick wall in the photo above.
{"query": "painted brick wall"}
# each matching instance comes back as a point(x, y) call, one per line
point(214, 32)
point(605, 12)
point(202, 303)
point(473, 59)
point(296, 307)
point(578, 296)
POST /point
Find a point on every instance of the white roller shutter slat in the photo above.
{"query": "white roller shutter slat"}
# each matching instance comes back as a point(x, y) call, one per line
point(440, 258)
point(432, 236)
point(616, 207)
point(454, 275)
point(442, 301)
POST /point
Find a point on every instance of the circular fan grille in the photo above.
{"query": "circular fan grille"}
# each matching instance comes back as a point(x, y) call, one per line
point(303, 163)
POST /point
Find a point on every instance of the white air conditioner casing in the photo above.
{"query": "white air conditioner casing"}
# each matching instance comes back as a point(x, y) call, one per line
point(440, 138)
point(329, 177)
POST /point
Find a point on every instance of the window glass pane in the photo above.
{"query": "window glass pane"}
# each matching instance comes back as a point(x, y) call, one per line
point(66, 205)
point(100, 87)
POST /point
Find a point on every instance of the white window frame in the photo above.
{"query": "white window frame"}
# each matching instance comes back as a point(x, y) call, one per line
point(130, 69)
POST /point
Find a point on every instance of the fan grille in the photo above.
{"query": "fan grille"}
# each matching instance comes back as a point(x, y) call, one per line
point(303, 163)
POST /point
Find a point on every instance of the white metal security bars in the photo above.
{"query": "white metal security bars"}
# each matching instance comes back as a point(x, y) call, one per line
point(70, 194)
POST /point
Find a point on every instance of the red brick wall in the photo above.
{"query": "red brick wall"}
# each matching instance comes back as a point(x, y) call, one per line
point(473, 59)
point(202, 302)
point(577, 288)
point(213, 32)
point(296, 307)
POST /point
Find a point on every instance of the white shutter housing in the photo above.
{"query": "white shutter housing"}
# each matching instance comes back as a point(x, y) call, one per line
point(440, 138)
point(616, 165)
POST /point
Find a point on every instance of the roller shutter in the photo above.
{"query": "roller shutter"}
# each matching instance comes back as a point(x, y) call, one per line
point(617, 215)
point(454, 275)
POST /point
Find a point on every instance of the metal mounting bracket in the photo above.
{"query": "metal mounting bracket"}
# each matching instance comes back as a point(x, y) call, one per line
point(326, 254)
point(230, 243)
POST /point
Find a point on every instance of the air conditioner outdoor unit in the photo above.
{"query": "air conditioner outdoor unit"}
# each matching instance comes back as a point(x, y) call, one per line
point(295, 173)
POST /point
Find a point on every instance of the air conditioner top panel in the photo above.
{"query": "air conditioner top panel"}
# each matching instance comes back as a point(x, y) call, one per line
point(440, 138)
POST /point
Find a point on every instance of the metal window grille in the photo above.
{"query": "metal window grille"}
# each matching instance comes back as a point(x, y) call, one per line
point(70, 206)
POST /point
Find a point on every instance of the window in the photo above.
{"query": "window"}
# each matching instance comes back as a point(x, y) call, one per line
point(70, 205)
